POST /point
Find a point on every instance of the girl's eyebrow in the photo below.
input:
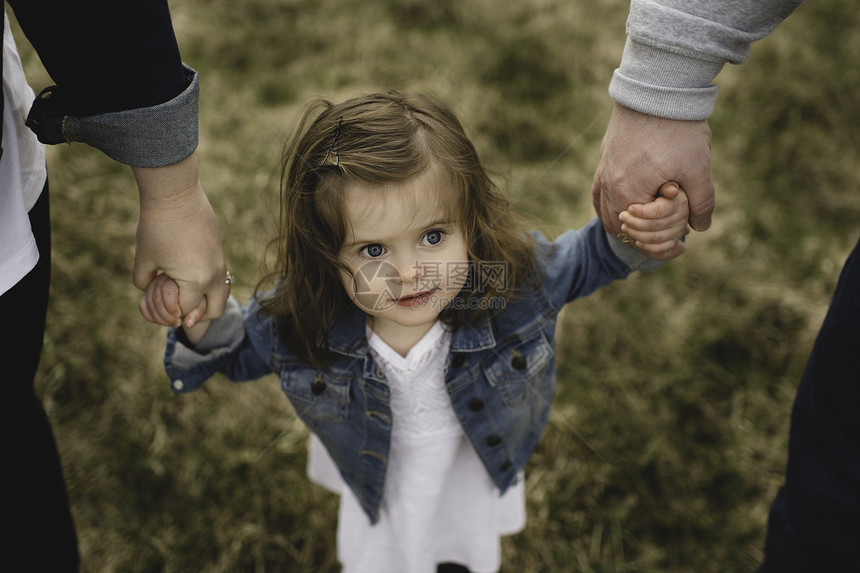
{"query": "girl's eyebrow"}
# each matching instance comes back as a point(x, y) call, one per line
point(362, 241)
point(437, 223)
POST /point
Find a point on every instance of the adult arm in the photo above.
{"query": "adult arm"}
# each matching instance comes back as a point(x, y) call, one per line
point(663, 96)
point(178, 233)
point(122, 87)
point(107, 55)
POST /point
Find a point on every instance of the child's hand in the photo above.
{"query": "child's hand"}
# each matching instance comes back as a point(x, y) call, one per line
point(656, 228)
point(160, 304)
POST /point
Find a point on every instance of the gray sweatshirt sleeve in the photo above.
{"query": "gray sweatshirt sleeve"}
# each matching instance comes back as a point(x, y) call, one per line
point(675, 49)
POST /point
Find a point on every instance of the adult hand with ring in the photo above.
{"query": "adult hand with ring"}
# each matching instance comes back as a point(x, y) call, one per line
point(178, 235)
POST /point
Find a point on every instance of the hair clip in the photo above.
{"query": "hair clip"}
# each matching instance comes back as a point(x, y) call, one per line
point(335, 145)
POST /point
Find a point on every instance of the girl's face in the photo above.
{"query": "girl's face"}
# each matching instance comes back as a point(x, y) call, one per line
point(408, 258)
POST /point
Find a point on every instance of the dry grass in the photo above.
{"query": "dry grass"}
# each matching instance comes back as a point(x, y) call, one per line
point(681, 381)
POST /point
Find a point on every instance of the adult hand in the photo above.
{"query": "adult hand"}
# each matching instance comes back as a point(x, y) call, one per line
point(642, 152)
point(178, 234)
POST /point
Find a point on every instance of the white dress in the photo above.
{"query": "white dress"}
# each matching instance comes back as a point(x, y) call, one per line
point(439, 503)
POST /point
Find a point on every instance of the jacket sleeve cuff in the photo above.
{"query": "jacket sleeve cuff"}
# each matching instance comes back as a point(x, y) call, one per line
point(189, 367)
point(631, 257)
point(154, 136)
point(224, 333)
point(665, 84)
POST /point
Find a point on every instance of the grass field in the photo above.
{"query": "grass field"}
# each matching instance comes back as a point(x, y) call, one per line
point(668, 437)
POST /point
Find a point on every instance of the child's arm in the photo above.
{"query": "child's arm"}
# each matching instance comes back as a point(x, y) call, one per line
point(160, 305)
point(657, 227)
point(227, 344)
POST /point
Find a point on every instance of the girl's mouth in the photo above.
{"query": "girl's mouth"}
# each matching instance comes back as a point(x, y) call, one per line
point(414, 300)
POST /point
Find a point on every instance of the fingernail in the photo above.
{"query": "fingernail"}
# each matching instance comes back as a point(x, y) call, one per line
point(622, 215)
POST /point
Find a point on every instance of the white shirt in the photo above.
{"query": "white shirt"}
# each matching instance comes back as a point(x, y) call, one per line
point(22, 171)
point(439, 503)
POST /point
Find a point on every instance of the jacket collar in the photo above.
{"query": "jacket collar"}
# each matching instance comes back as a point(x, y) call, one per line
point(348, 335)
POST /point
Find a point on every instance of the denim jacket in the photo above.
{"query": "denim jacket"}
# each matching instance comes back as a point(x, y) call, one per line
point(500, 375)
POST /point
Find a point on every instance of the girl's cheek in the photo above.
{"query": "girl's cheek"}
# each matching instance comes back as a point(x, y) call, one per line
point(348, 283)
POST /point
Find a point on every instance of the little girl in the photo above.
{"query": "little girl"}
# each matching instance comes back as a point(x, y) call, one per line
point(412, 325)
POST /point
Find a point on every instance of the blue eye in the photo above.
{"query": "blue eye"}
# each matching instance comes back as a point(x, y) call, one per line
point(433, 237)
point(373, 251)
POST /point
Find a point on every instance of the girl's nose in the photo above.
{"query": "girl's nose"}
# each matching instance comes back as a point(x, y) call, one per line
point(409, 268)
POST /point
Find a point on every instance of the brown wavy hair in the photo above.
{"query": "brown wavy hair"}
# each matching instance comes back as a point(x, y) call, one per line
point(377, 139)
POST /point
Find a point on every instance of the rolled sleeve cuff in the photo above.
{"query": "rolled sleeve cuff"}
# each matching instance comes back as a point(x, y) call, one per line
point(665, 84)
point(631, 257)
point(154, 136)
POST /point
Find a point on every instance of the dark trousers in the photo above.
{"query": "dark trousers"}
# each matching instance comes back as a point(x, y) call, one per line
point(38, 531)
point(814, 522)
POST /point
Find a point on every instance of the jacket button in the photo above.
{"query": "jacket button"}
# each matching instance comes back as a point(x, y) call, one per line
point(518, 361)
point(458, 361)
point(506, 466)
point(494, 440)
point(318, 387)
point(178, 385)
point(476, 404)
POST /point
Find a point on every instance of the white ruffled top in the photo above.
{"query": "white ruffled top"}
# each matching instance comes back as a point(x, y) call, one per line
point(439, 503)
